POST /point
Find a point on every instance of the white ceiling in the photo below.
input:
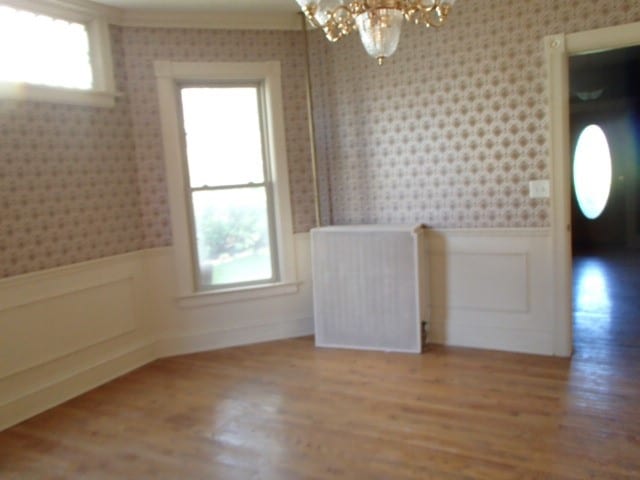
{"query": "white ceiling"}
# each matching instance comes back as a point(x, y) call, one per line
point(230, 6)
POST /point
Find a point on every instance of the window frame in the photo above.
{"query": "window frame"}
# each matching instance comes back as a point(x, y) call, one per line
point(170, 78)
point(103, 92)
point(266, 184)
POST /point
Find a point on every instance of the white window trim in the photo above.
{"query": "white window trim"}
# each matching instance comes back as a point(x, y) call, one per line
point(103, 93)
point(169, 75)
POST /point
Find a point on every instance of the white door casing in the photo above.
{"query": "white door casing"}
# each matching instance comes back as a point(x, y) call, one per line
point(558, 49)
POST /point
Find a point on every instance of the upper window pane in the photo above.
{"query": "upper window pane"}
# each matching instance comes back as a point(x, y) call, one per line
point(223, 136)
point(42, 50)
point(592, 171)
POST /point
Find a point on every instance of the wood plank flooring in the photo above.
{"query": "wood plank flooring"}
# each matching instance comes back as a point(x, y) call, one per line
point(285, 410)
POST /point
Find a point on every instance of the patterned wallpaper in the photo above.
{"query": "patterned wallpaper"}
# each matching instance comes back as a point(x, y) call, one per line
point(144, 45)
point(68, 182)
point(450, 131)
point(80, 183)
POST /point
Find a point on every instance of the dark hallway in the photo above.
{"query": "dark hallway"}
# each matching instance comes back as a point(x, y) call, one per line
point(605, 216)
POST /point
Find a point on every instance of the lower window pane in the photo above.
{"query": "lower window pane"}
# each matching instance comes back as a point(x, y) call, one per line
point(232, 232)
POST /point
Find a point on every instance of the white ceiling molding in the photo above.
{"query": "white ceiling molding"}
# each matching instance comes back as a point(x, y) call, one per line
point(211, 20)
point(237, 6)
point(82, 9)
point(219, 20)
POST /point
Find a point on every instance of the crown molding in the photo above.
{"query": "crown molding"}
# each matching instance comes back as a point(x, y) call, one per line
point(209, 20)
point(87, 9)
point(79, 9)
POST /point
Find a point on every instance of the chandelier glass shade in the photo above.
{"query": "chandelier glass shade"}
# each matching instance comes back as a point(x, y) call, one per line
point(378, 21)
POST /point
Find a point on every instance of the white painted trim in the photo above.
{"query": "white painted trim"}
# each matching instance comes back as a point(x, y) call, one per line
point(101, 57)
point(619, 36)
point(55, 275)
point(208, 20)
point(84, 10)
point(517, 252)
point(163, 329)
point(371, 228)
point(52, 394)
point(176, 179)
point(491, 290)
point(40, 302)
point(492, 232)
point(558, 48)
point(69, 96)
point(168, 76)
point(231, 337)
point(103, 92)
point(558, 88)
point(157, 327)
point(203, 299)
point(73, 10)
point(17, 294)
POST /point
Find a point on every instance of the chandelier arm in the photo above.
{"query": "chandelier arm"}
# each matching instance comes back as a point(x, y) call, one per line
point(340, 22)
point(377, 20)
point(441, 10)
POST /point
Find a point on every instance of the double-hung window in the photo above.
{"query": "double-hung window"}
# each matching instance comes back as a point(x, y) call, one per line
point(228, 184)
point(55, 52)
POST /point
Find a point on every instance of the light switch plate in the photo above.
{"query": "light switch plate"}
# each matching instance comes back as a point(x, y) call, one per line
point(539, 189)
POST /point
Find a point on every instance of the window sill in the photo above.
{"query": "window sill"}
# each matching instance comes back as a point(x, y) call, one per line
point(66, 96)
point(215, 297)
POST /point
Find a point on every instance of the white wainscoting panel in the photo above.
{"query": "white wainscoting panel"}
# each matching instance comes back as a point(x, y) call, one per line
point(489, 281)
point(48, 329)
point(70, 329)
point(187, 329)
point(66, 330)
point(491, 289)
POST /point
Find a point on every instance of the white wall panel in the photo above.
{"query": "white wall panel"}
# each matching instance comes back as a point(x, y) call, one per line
point(203, 326)
point(51, 328)
point(475, 281)
point(67, 330)
point(491, 289)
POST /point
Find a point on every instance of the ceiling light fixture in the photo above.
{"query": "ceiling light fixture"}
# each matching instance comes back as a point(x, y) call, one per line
point(378, 21)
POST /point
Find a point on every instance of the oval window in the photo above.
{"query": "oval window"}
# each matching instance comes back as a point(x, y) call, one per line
point(592, 171)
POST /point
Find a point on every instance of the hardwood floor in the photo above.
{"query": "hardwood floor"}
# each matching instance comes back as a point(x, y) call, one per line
point(606, 299)
point(285, 410)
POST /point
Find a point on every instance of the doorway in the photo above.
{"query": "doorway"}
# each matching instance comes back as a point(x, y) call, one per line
point(558, 50)
point(604, 108)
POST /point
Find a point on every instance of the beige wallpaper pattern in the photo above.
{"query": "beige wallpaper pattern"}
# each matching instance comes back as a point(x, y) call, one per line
point(144, 45)
point(451, 130)
point(448, 133)
point(68, 182)
point(80, 183)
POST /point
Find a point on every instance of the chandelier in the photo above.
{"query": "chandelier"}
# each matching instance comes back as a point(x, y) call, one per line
point(378, 21)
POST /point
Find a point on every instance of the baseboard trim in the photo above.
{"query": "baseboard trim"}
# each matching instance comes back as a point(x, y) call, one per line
point(232, 337)
point(49, 396)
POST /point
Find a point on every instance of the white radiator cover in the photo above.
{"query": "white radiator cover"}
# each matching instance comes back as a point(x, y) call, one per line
point(370, 287)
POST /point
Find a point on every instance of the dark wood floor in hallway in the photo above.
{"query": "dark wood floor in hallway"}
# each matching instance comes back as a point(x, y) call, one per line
point(606, 308)
point(285, 410)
